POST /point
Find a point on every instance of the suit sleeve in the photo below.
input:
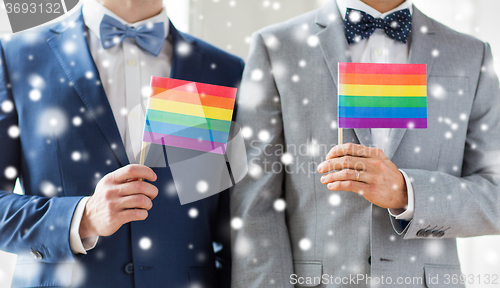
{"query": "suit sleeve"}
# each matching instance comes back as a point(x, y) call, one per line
point(469, 205)
point(262, 254)
point(28, 223)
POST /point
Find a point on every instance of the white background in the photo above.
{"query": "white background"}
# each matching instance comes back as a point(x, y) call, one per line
point(228, 24)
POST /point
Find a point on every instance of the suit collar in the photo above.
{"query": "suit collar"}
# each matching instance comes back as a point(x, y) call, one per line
point(187, 58)
point(74, 56)
point(335, 49)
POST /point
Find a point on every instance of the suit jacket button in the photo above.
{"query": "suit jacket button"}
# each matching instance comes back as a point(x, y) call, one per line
point(129, 268)
point(37, 254)
point(421, 233)
point(440, 234)
point(427, 233)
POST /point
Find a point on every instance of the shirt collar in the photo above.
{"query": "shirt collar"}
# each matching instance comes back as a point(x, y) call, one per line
point(93, 12)
point(358, 5)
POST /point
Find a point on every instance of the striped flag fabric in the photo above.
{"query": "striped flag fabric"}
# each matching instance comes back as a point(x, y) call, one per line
point(374, 95)
point(189, 115)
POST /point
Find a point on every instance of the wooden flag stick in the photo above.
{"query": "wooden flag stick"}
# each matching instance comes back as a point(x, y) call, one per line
point(143, 152)
point(341, 136)
point(142, 159)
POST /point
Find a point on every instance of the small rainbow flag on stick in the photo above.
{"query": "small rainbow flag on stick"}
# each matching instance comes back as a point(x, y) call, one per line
point(189, 115)
point(382, 95)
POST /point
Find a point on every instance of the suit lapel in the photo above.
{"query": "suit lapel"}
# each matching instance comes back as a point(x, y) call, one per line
point(77, 65)
point(185, 66)
point(335, 49)
point(421, 46)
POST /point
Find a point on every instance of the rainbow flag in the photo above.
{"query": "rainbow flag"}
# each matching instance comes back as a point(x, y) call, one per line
point(189, 115)
point(382, 95)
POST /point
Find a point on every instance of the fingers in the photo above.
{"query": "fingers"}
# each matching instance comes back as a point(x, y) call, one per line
point(130, 215)
point(349, 185)
point(135, 201)
point(350, 149)
point(138, 187)
point(133, 171)
point(344, 162)
point(346, 175)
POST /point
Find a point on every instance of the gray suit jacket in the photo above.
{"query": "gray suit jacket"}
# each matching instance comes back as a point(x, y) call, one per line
point(453, 164)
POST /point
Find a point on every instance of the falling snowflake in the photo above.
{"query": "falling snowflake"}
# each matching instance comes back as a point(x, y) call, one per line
point(69, 47)
point(271, 42)
point(313, 148)
point(48, 189)
point(424, 29)
point(236, 223)
point(305, 244)
point(438, 91)
point(193, 212)
point(36, 81)
point(145, 243)
point(76, 156)
point(246, 132)
point(202, 186)
point(434, 248)
point(171, 190)
point(484, 127)
point(264, 135)
point(392, 238)
point(333, 125)
point(295, 78)
point(335, 199)
point(10, 172)
point(13, 131)
point(35, 95)
point(184, 49)
point(77, 121)
point(313, 41)
point(254, 170)
point(52, 122)
point(354, 16)
point(279, 205)
point(287, 158)
point(435, 53)
point(242, 246)
point(254, 95)
point(302, 63)
point(257, 75)
point(276, 6)
point(7, 106)
point(89, 75)
point(124, 111)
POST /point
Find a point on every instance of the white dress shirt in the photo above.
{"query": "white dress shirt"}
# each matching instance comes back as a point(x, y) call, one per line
point(380, 48)
point(125, 71)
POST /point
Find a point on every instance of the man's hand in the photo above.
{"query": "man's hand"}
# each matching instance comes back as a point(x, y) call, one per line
point(119, 198)
point(380, 181)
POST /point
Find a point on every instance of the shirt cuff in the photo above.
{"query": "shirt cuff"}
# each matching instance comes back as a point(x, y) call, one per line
point(402, 214)
point(77, 244)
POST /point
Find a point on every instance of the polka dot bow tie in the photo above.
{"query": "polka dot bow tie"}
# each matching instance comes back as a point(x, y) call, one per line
point(360, 25)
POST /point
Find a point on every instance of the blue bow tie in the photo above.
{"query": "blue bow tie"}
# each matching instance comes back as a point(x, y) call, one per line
point(360, 25)
point(149, 37)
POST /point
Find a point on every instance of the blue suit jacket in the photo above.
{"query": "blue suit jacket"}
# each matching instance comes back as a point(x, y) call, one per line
point(36, 227)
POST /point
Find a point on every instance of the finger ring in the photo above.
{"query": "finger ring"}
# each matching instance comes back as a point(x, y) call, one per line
point(357, 175)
